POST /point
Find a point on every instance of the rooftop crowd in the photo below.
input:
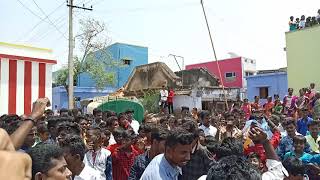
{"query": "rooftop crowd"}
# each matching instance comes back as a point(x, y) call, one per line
point(303, 22)
point(275, 140)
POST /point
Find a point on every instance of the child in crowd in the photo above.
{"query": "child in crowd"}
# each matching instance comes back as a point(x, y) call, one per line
point(302, 22)
point(292, 25)
point(299, 143)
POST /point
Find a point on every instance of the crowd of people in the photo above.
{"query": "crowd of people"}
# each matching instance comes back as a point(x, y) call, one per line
point(303, 22)
point(250, 141)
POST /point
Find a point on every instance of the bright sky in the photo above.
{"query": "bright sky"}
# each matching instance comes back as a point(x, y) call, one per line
point(250, 28)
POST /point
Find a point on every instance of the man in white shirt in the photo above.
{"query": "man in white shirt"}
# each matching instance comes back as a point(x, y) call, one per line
point(74, 152)
point(133, 123)
point(206, 127)
point(163, 98)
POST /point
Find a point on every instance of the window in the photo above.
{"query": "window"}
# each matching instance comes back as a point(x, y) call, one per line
point(248, 73)
point(230, 76)
point(126, 62)
point(263, 92)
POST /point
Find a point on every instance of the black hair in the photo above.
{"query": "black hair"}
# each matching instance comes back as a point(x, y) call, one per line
point(294, 166)
point(209, 139)
point(159, 133)
point(75, 145)
point(48, 111)
point(192, 127)
point(106, 132)
point(164, 120)
point(289, 121)
point(42, 156)
point(229, 115)
point(230, 146)
point(213, 146)
point(233, 168)
point(79, 118)
point(110, 120)
point(203, 114)
point(64, 110)
point(299, 138)
point(42, 128)
point(96, 111)
point(128, 134)
point(313, 123)
point(75, 111)
point(179, 136)
point(96, 131)
point(118, 132)
point(69, 127)
point(145, 127)
point(10, 123)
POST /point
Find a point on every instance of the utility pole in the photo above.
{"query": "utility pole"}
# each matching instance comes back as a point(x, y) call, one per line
point(70, 56)
point(181, 69)
point(214, 53)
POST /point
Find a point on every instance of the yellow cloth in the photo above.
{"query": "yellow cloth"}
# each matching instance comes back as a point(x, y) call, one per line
point(313, 144)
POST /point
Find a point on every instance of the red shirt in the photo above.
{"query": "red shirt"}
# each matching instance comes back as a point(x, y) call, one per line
point(258, 148)
point(170, 96)
point(255, 106)
point(122, 162)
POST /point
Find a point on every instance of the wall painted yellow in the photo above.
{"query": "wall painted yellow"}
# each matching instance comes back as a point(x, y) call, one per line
point(303, 58)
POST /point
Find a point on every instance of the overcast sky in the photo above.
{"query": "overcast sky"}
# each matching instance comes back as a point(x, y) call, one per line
point(250, 28)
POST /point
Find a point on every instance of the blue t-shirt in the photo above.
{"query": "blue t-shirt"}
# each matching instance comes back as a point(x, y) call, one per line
point(302, 125)
point(305, 158)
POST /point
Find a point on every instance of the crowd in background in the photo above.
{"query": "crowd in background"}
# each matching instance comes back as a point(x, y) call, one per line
point(275, 140)
point(303, 22)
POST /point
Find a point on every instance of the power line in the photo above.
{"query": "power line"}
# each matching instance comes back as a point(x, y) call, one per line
point(30, 10)
point(49, 19)
point(40, 22)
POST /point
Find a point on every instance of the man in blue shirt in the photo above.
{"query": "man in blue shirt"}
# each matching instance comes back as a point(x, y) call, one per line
point(302, 124)
point(167, 166)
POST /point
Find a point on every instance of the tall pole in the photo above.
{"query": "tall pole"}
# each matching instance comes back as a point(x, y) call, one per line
point(70, 58)
point(215, 55)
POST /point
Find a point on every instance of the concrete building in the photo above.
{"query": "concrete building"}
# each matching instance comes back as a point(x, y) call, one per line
point(267, 83)
point(126, 55)
point(199, 88)
point(233, 71)
point(303, 57)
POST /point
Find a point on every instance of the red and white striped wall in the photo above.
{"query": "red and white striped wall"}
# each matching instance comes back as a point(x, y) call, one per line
point(23, 80)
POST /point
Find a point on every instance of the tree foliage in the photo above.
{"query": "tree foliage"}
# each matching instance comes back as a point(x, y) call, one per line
point(150, 101)
point(95, 60)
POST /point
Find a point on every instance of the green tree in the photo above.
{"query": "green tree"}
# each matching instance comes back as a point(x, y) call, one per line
point(95, 60)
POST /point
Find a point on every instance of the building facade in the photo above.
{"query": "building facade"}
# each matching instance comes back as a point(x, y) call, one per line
point(233, 71)
point(303, 58)
point(25, 76)
point(267, 84)
point(126, 56)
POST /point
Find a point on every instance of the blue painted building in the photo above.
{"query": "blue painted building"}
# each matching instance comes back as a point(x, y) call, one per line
point(267, 84)
point(128, 56)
